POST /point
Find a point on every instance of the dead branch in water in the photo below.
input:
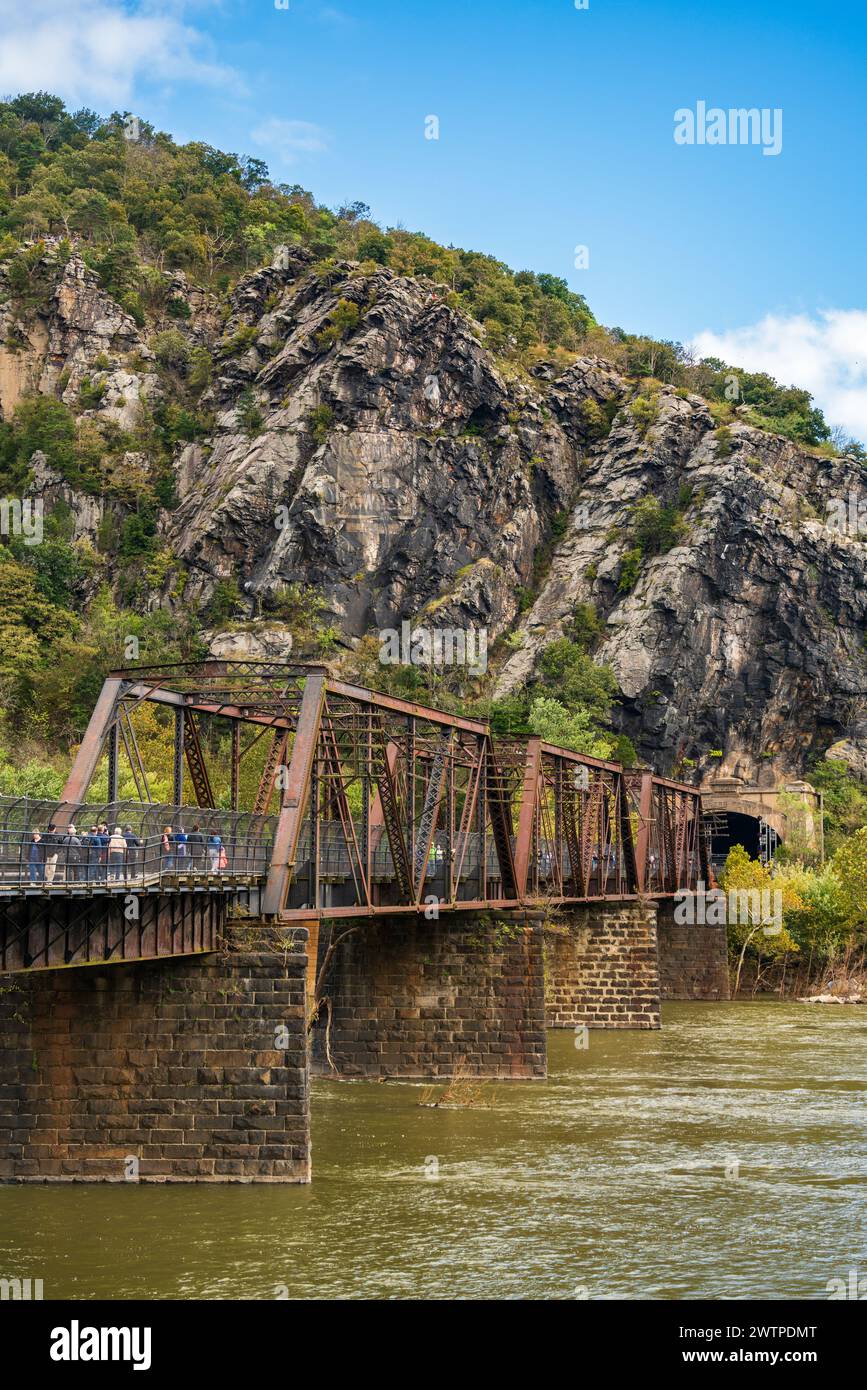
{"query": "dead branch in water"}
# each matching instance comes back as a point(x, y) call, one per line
point(320, 999)
point(462, 1090)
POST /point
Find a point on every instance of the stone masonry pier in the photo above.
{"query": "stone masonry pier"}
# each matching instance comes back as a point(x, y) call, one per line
point(412, 998)
point(611, 965)
point(196, 1068)
point(193, 1069)
point(602, 969)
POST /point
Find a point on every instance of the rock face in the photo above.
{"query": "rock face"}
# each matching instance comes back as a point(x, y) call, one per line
point(81, 335)
point(367, 445)
point(87, 512)
point(747, 638)
point(83, 323)
point(254, 642)
point(853, 756)
point(387, 465)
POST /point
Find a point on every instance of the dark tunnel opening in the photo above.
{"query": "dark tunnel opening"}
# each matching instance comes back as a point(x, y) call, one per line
point(725, 829)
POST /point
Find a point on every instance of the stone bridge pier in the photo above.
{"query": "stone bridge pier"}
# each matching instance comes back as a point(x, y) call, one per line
point(611, 965)
point(190, 1069)
point(412, 998)
point(409, 998)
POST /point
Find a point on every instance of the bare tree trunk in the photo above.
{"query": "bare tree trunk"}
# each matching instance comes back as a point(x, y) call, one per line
point(741, 961)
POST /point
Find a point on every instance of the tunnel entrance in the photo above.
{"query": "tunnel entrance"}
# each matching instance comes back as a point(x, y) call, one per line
point(725, 829)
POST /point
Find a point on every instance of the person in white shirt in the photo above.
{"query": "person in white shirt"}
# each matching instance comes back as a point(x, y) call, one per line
point(116, 854)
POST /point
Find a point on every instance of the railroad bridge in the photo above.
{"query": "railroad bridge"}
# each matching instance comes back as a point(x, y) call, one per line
point(340, 879)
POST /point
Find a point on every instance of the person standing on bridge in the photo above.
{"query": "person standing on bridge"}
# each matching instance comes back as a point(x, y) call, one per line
point(167, 849)
point(196, 842)
point(90, 853)
point(36, 858)
point(133, 845)
point(180, 843)
point(216, 854)
point(71, 846)
point(116, 854)
point(50, 849)
point(102, 839)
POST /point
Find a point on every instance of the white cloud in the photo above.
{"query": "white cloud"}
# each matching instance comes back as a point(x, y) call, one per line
point(825, 354)
point(285, 140)
point(97, 51)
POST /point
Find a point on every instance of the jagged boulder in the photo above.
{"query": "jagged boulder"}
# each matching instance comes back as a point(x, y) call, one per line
point(389, 457)
point(853, 755)
point(254, 641)
point(726, 641)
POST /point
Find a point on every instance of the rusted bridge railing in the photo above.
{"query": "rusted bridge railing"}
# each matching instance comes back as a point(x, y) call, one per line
point(364, 804)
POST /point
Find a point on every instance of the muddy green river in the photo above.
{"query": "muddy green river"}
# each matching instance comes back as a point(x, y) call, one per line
point(722, 1157)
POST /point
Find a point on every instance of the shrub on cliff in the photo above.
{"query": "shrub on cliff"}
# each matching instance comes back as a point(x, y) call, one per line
point(573, 729)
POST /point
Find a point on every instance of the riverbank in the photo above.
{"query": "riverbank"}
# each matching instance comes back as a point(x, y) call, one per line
point(843, 983)
point(839, 989)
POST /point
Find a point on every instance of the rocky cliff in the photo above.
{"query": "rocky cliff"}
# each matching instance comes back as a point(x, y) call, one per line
point(362, 441)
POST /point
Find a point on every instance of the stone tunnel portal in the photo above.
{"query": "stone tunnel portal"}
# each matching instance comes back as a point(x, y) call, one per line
point(725, 829)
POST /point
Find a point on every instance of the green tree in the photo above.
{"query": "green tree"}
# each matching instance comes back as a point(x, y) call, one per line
point(568, 728)
point(565, 668)
point(850, 867)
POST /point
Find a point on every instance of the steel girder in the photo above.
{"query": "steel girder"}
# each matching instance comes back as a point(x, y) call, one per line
point(51, 933)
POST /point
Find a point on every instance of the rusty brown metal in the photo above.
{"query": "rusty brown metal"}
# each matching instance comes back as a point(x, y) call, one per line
point(294, 796)
point(57, 931)
point(386, 801)
point(196, 761)
point(644, 811)
point(235, 770)
point(88, 756)
point(336, 787)
point(430, 813)
point(500, 812)
point(276, 755)
point(528, 814)
point(385, 810)
point(390, 702)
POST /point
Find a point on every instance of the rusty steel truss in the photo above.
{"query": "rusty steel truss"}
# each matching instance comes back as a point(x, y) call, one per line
point(385, 806)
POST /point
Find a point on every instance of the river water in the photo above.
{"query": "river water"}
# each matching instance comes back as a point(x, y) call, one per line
point(722, 1157)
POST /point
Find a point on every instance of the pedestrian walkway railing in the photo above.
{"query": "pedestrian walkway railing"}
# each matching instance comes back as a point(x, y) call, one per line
point(79, 848)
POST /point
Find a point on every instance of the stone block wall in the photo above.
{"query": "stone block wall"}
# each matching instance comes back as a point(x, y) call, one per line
point(601, 968)
point(693, 960)
point(165, 1072)
point(417, 998)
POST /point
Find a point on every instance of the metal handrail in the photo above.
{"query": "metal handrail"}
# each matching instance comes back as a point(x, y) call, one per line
point(146, 865)
point(24, 813)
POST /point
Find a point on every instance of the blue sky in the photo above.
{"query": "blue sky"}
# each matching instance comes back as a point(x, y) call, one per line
point(556, 130)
